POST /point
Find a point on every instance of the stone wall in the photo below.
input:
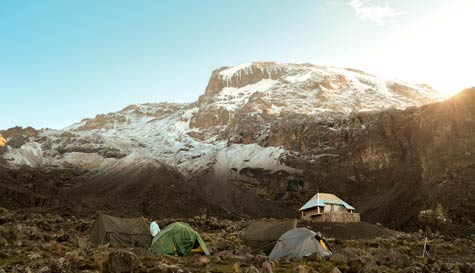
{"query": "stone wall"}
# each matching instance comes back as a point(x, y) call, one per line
point(337, 217)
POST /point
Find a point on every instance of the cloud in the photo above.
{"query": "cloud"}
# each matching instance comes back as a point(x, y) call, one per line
point(374, 13)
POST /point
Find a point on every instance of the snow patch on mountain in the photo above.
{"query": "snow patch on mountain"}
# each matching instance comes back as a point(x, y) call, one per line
point(29, 154)
point(89, 161)
point(311, 89)
point(239, 156)
point(232, 98)
point(233, 70)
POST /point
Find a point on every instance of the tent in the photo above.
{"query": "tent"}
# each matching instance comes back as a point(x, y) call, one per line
point(179, 238)
point(132, 232)
point(299, 243)
point(263, 234)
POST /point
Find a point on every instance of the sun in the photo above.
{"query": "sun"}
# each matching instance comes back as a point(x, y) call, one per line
point(438, 50)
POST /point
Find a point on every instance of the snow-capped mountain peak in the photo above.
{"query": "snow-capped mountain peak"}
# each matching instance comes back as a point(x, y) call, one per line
point(311, 89)
point(197, 136)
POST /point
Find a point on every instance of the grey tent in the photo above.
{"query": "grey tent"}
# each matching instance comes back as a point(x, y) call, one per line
point(263, 234)
point(132, 232)
point(298, 243)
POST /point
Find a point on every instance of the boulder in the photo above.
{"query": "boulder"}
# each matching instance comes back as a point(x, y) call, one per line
point(335, 270)
point(44, 269)
point(303, 269)
point(202, 261)
point(252, 269)
point(121, 261)
point(267, 267)
point(338, 259)
point(258, 260)
point(174, 269)
point(60, 266)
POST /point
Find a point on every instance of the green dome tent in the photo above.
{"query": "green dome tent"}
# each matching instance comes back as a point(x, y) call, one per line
point(178, 237)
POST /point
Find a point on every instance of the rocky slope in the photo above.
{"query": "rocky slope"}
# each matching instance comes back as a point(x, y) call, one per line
point(265, 134)
point(49, 243)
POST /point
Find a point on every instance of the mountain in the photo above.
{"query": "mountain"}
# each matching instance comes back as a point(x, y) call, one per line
point(261, 140)
point(190, 136)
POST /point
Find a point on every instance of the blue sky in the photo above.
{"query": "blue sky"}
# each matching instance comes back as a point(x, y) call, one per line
point(61, 61)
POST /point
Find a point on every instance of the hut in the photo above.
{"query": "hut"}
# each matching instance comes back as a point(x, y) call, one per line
point(327, 207)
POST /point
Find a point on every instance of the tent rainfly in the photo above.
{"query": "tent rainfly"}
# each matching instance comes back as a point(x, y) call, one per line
point(116, 231)
point(179, 238)
point(299, 243)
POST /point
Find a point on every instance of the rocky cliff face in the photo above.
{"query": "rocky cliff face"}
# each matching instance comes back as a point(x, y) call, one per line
point(389, 164)
point(258, 92)
point(270, 135)
point(128, 116)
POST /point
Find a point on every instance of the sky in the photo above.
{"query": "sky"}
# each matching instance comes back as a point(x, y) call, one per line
point(62, 61)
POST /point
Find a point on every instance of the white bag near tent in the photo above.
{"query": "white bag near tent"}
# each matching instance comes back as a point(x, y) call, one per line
point(154, 228)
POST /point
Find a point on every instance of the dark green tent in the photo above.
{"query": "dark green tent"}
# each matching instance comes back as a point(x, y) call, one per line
point(180, 238)
point(117, 231)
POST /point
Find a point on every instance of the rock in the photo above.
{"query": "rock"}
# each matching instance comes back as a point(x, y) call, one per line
point(226, 255)
point(375, 269)
point(267, 267)
point(314, 257)
point(17, 141)
point(390, 257)
point(61, 266)
point(82, 243)
point(63, 238)
point(251, 269)
point(435, 268)
point(162, 267)
point(259, 259)
point(203, 261)
point(236, 268)
point(121, 261)
point(335, 270)
point(30, 131)
point(356, 255)
point(45, 269)
point(174, 269)
point(34, 256)
point(303, 269)
point(338, 259)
